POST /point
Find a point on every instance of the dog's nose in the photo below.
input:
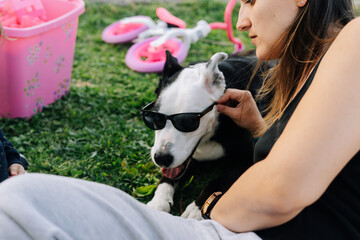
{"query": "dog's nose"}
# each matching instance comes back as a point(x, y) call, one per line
point(163, 160)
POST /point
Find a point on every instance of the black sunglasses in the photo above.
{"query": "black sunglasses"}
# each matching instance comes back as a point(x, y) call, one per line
point(184, 122)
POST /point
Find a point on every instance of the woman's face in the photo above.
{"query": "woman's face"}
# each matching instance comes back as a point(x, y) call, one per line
point(266, 21)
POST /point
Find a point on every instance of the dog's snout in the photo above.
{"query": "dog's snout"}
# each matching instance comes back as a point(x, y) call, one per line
point(163, 160)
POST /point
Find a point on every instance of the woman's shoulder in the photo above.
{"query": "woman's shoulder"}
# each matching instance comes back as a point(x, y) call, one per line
point(354, 22)
point(351, 31)
point(341, 61)
point(346, 43)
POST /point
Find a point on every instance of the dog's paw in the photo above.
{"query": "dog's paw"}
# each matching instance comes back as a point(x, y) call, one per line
point(161, 205)
point(192, 211)
point(163, 198)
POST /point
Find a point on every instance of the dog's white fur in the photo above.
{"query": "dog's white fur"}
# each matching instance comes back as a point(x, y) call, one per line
point(192, 211)
point(193, 91)
point(163, 197)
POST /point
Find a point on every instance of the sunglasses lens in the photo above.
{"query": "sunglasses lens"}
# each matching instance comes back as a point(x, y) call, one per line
point(186, 122)
point(154, 120)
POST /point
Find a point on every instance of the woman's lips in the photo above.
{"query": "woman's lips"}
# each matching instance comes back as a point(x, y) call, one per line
point(253, 41)
point(253, 37)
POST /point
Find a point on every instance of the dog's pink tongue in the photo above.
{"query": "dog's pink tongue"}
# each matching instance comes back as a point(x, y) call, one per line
point(172, 172)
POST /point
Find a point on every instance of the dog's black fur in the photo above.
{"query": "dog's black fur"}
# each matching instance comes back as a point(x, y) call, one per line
point(237, 142)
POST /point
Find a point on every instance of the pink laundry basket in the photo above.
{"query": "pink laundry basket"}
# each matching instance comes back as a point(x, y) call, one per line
point(36, 62)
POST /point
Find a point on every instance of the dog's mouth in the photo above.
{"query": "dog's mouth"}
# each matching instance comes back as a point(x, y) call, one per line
point(177, 172)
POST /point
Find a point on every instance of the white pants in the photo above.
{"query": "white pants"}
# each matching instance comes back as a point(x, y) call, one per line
point(39, 206)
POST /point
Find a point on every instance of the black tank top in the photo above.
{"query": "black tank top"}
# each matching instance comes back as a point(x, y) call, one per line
point(336, 215)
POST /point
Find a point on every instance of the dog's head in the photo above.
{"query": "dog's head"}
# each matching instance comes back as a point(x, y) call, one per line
point(185, 90)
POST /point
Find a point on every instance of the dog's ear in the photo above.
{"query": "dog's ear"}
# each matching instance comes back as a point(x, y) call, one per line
point(171, 67)
point(212, 64)
point(214, 77)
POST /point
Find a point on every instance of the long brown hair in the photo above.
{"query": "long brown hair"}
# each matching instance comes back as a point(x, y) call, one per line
point(305, 42)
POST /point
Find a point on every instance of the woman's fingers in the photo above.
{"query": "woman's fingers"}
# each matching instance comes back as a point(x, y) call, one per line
point(242, 110)
point(232, 94)
point(231, 112)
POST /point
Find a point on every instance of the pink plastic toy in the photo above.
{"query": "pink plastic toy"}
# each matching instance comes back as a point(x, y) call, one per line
point(152, 59)
point(22, 13)
point(36, 61)
point(130, 28)
point(27, 8)
point(123, 31)
point(149, 55)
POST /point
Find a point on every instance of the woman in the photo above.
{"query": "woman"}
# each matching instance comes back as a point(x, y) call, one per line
point(310, 168)
point(305, 182)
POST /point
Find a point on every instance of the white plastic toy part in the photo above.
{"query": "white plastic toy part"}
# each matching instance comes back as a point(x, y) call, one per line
point(190, 35)
point(139, 19)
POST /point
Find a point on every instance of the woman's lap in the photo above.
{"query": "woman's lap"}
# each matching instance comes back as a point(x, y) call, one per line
point(38, 206)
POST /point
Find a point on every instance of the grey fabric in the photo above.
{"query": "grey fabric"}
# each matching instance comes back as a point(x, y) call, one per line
point(39, 206)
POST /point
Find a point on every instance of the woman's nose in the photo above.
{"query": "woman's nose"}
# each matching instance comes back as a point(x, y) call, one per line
point(243, 22)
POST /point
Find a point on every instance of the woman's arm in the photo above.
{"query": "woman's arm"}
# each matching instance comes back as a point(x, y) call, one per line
point(320, 138)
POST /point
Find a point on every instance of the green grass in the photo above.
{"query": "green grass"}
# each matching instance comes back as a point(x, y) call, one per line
point(96, 132)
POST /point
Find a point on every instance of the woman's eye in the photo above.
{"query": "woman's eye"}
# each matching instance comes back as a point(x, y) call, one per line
point(251, 2)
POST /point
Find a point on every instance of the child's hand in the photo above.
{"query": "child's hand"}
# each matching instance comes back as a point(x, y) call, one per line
point(16, 169)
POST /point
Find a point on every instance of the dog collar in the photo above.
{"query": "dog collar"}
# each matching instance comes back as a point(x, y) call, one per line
point(209, 204)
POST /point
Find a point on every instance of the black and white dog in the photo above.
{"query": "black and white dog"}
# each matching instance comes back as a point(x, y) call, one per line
point(189, 128)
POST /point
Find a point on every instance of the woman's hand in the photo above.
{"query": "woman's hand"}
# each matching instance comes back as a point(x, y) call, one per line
point(16, 169)
point(246, 114)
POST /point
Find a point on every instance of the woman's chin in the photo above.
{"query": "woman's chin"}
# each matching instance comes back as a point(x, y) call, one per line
point(265, 55)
